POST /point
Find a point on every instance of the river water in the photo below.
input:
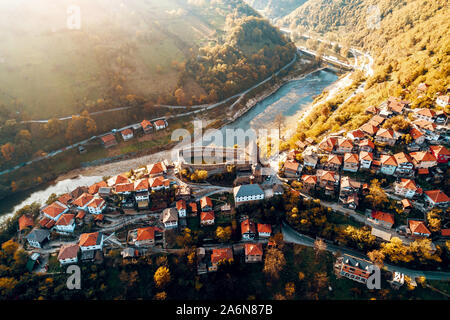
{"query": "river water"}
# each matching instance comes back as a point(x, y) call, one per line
point(291, 98)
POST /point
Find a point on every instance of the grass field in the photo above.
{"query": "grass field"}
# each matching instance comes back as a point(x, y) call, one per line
point(49, 70)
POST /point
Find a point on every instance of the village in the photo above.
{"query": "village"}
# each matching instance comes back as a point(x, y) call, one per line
point(140, 212)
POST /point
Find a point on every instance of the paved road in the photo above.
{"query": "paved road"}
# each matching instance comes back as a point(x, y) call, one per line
point(292, 236)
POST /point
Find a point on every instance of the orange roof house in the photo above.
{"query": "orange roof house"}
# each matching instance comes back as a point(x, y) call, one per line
point(376, 120)
point(351, 158)
point(181, 205)
point(156, 168)
point(402, 158)
point(145, 234)
point(424, 124)
point(372, 109)
point(90, 239)
point(160, 123)
point(328, 176)
point(367, 156)
point(355, 134)
point(418, 228)
point(94, 188)
point(109, 140)
point(55, 209)
point(437, 197)
point(408, 184)
point(369, 129)
point(125, 187)
point(425, 112)
point(385, 133)
point(406, 204)
point(207, 217)
point(309, 179)
point(328, 144)
point(252, 251)
point(96, 203)
point(265, 229)
point(387, 160)
point(415, 133)
point(119, 179)
point(206, 202)
point(193, 206)
point(25, 222)
point(248, 226)
point(334, 160)
point(345, 143)
point(141, 185)
point(221, 254)
point(441, 153)
point(422, 157)
point(291, 166)
point(146, 125)
point(65, 198)
point(383, 216)
point(83, 200)
point(68, 251)
point(367, 143)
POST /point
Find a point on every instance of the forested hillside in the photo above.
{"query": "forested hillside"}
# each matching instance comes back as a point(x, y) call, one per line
point(408, 40)
point(275, 9)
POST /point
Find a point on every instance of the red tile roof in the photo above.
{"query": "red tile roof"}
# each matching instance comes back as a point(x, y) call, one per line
point(94, 188)
point(408, 184)
point(88, 239)
point(367, 142)
point(221, 254)
point(445, 232)
point(205, 201)
point(181, 204)
point(418, 226)
point(155, 168)
point(160, 123)
point(108, 138)
point(65, 219)
point(439, 150)
point(193, 206)
point(406, 203)
point(351, 158)
point(207, 216)
point(334, 159)
point(386, 133)
point(328, 144)
point(141, 185)
point(415, 133)
point(248, 226)
point(253, 249)
point(291, 166)
point(147, 233)
point(328, 176)
point(402, 157)
point(264, 228)
point(437, 196)
point(65, 198)
point(369, 129)
point(421, 156)
point(364, 155)
point(83, 200)
point(125, 187)
point(25, 222)
point(309, 179)
point(146, 123)
point(68, 251)
point(126, 132)
point(96, 203)
point(54, 209)
point(81, 214)
point(426, 112)
point(388, 160)
point(383, 216)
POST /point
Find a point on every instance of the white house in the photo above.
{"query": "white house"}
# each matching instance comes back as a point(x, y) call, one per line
point(443, 101)
point(37, 237)
point(68, 254)
point(388, 164)
point(54, 210)
point(96, 206)
point(181, 208)
point(264, 230)
point(66, 223)
point(141, 189)
point(365, 158)
point(127, 134)
point(91, 241)
point(160, 124)
point(406, 188)
point(247, 193)
point(82, 201)
point(169, 218)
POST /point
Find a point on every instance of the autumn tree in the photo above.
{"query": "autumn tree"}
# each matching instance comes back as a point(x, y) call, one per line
point(223, 234)
point(162, 277)
point(377, 197)
point(274, 262)
point(7, 151)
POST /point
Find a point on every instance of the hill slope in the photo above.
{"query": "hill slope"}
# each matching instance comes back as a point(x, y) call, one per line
point(275, 9)
point(408, 39)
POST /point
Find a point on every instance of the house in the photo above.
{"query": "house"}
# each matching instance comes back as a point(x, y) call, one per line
point(351, 162)
point(365, 159)
point(25, 222)
point(247, 193)
point(309, 181)
point(291, 169)
point(156, 169)
point(38, 237)
point(127, 134)
point(369, 129)
point(377, 120)
point(406, 205)
point(78, 192)
point(349, 186)
point(109, 140)
point(423, 159)
point(91, 241)
point(218, 256)
point(422, 87)
point(437, 198)
point(181, 208)
point(264, 230)
point(334, 162)
point(193, 209)
point(119, 179)
point(355, 135)
point(429, 128)
point(146, 126)
point(93, 189)
point(207, 218)
point(417, 136)
point(328, 144)
point(278, 190)
point(310, 157)
point(327, 178)
point(253, 252)
point(372, 110)
point(68, 254)
point(404, 163)
point(441, 117)
point(366, 145)
point(344, 145)
point(443, 101)
point(66, 223)
point(65, 199)
point(159, 183)
point(383, 219)
point(350, 201)
point(96, 206)
point(248, 229)
point(160, 124)
point(105, 192)
point(145, 237)
point(425, 114)
point(206, 204)
point(418, 228)
point(385, 136)
point(388, 164)
point(54, 210)
point(441, 153)
point(169, 217)
point(353, 268)
point(396, 105)
point(124, 188)
point(406, 188)
point(141, 190)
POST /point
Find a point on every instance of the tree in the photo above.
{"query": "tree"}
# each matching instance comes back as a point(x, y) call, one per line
point(9, 247)
point(223, 234)
point(434, 220)
point(377, 198)
point(161, 296)
point(274, 262)
point(289, 290)
point(7, 151)
point(162, 277)
point(279, 120)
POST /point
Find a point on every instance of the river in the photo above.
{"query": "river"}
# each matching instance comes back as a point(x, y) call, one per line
point(291, 98)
